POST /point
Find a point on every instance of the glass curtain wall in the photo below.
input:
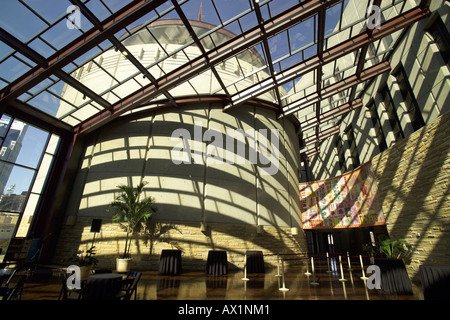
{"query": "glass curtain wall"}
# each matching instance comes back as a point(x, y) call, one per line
point(26, 156)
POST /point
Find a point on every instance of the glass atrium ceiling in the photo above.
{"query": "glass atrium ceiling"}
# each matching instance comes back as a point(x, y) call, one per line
point(314, 57)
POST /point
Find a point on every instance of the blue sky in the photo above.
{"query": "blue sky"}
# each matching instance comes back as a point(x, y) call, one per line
point(33, 145)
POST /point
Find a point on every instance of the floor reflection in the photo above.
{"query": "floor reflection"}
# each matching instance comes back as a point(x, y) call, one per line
point(296, 285)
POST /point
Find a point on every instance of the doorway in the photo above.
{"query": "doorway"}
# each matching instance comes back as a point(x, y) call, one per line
point(343, 240)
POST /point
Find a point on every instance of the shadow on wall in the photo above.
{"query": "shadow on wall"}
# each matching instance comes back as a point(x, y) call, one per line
point(429, 98)
point(236, 239)
point(236, 195)
point(413, 180)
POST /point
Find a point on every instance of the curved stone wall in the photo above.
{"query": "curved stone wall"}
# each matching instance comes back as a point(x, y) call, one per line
point(201, 165)
point(228, 172)
point(255, 188)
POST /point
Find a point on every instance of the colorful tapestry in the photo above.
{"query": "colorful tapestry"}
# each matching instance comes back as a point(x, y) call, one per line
point(349, 200)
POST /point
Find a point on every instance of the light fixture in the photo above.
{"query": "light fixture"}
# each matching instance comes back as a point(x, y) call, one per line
point(294, 231)
point(259, 229)
point(203, 227)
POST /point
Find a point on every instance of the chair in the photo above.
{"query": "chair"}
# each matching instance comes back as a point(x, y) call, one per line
point(7, 274)
point(29, 263)
point(129, 285)
point(13, 293)
point(66, 293)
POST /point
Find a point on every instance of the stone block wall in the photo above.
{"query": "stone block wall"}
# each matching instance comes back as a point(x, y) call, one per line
point(413, 180)
point(236, 239)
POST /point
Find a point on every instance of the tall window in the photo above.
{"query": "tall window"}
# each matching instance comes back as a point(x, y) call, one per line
point(410, 100)
point(392, 114)
point(441, 37)
point(381, 140)
point(27, 153)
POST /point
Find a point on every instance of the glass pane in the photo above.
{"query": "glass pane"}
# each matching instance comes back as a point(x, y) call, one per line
point(5, 50)
point(278, 6)
point(46, 102)
point(332, 17)
point(98, 9)
point(3, 84)
point(229, 9)
point(8, 222)
point(12, 68)
point(14, 182)
point(301, 34)
point(71, 121)
point(41, 86)
point(248, 21)
point(115, 5)
point(43, 171)
point(85, 112)
point(41, 47)
point(28, 213)
point(4, 125)
point(50, 10)
point(278, 46)
point(52, 144)
point(19, 21)
point(24, 144)
point(200, 10)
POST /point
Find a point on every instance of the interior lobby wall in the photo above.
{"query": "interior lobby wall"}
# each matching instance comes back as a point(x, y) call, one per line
point(414, 189)
point(233, 201)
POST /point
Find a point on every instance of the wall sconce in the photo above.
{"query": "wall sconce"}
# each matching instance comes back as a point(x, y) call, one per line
point(294, 231)
point(259, 229)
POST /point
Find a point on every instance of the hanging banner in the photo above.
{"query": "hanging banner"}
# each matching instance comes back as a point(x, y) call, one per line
point(346, 201)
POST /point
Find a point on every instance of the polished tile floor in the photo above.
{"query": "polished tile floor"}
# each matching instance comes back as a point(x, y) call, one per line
point(266, 286)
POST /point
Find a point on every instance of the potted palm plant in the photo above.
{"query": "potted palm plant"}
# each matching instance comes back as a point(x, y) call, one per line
point(394, 276)
point(134, 213)
point(394, 249)
point(86, 261)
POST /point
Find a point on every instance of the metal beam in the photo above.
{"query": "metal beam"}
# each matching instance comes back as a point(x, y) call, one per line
point(339, 51)
point(96, 35)
point(242, 42)
point(222, 52)
point(19, 46)
point(337, 87)
point(36, 117)
point(322, 135)
point(199, 45)
point(34, 56)
point(362, 55)
point(119, 46)
point(333, 113)
point(320, 44)
point(267, 50)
